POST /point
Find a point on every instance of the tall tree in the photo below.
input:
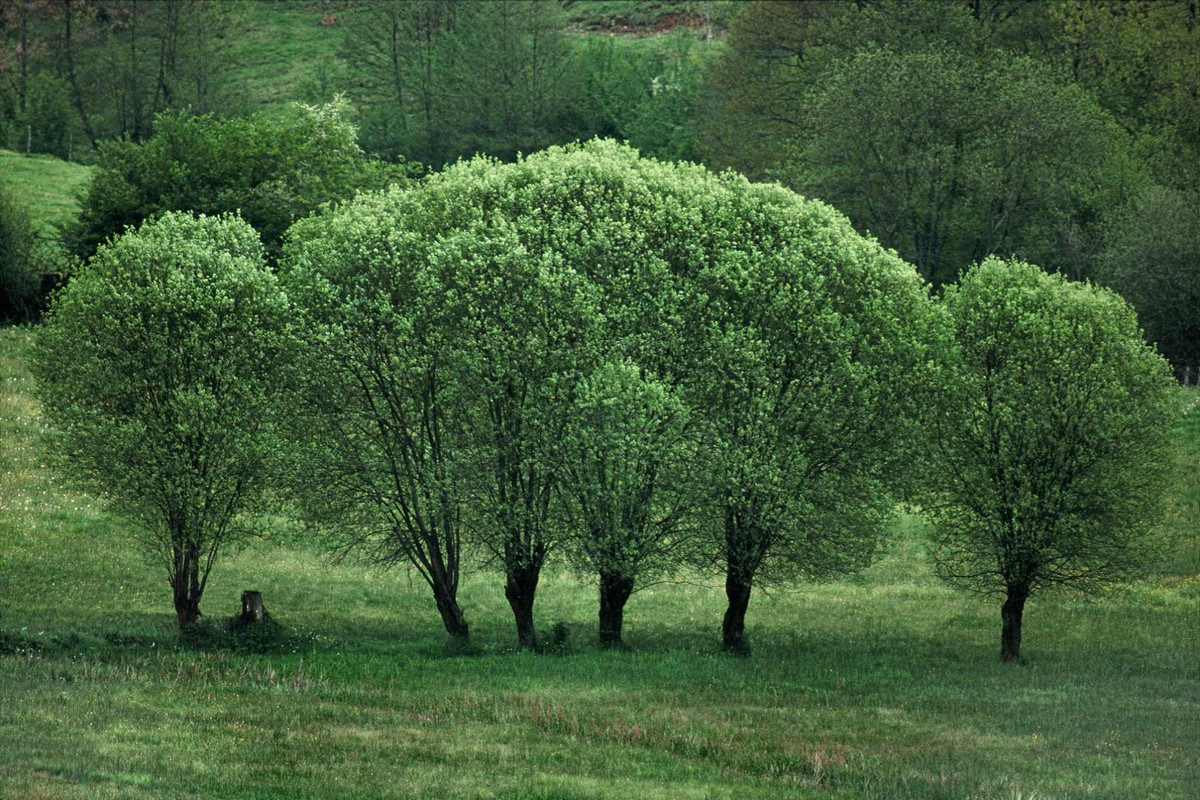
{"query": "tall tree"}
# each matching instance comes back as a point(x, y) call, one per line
point(806, 385)
point(377, 441)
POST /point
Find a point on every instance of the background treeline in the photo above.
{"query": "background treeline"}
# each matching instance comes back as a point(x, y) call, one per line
point(1058, 131)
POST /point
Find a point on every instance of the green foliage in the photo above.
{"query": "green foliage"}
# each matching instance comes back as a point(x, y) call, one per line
point(814, 349)
point(622, 488)
point(272, 169)
point(1152, 257)
point(646, 92)
point(951, 158)
point(1138, 58)
point(1053, 443)
point(162, 356)
point(19, 281)
point(377, 448)
point(48, 115)
point(944, 129)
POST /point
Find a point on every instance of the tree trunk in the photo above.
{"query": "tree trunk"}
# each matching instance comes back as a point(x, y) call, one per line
point(520, 587)
point(252, 607)
point(187, 602)
point(737, 589)
point(614, 592)
point(452, 615)
point(72, 80)
point(1010, 635)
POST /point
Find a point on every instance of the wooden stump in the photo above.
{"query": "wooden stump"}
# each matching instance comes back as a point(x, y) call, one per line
point(252, 607)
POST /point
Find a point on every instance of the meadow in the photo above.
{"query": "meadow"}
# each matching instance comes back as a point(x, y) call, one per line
point(886, 685)
point(46, 186)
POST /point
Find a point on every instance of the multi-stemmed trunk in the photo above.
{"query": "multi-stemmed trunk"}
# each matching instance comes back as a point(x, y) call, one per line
point(187, 601)
point(187, 585)
point(520, 588)
point(615, 589)
point(1011, 613)
point(452, 616)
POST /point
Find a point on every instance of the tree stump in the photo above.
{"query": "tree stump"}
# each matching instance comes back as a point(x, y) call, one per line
point(252, 608)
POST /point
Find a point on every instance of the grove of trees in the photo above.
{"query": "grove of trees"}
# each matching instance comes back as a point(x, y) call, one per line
point(496, 292)
point(592, 358)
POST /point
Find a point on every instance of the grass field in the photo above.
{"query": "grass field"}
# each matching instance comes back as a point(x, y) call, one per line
point(46, 186)
point(885, 686)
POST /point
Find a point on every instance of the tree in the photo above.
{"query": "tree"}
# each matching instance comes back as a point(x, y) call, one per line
point(377, 446)
point(534, 329)
point(806, 378)
point(1138, 58)
point(950, 158)
point(929, 124)
point(399, 54)
point(271, 169)
point(1152, 257)
point(621, 485)
point(514, 78)
point(18, 279)
point(1051, 442)
point(158, 367)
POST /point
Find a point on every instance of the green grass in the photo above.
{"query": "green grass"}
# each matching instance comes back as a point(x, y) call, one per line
point(279, 51)
point(885, 686)
point(647, 16)
point(47, 187)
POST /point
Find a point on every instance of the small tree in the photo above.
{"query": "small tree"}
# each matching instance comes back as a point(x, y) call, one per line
point(158, 366)
point(1052, 441)
point(18, 278)
point(621, 484)
point(811, 351)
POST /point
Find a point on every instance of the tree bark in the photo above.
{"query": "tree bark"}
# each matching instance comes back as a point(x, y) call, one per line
point(614, 592)
point(187, 601)
point(737, 590)
point(1010, 634)
point(520, 588)
point(452, 615)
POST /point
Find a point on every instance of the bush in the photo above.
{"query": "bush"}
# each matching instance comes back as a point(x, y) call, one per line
point(271, 170)
point(19, 280)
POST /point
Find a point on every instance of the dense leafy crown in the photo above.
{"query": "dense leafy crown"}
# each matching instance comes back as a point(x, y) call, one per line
point(157, 365)
point(1054, 439)
point(799, 345)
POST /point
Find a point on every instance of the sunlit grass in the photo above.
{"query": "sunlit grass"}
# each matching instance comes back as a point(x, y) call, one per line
point(884, 686)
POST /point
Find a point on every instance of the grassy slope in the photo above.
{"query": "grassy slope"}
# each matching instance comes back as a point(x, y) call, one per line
point(45, 185)
point(280, 51)
point(885, 686)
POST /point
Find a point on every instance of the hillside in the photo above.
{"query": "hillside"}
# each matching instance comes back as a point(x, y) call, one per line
point(45, 185)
